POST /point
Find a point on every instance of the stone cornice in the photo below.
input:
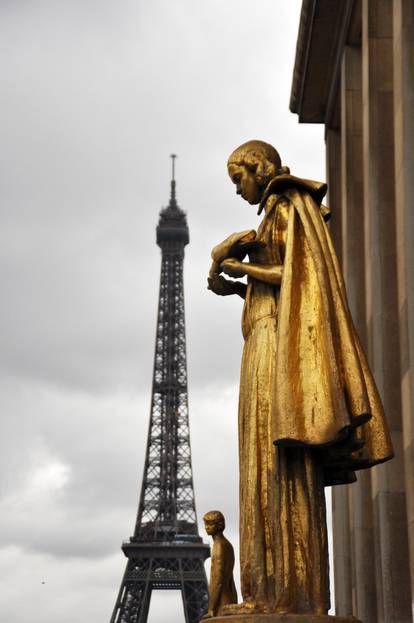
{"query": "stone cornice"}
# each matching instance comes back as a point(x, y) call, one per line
point(323, 30)
point(302, 53)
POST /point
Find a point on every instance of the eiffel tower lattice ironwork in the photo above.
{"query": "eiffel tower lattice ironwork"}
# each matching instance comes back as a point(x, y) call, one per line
point(166, 551)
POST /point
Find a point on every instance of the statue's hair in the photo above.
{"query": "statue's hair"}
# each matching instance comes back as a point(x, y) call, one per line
point(261, 158)
point(217, 517)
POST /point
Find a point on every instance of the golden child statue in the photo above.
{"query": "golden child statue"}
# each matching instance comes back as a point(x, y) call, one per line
point(222, 590)
point(309, 411)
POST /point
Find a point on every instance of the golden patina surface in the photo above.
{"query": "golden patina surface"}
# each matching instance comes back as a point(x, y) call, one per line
point(309, 411)
point(283, 618)
point(222, 590)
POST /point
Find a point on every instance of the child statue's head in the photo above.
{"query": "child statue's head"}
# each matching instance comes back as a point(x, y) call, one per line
point(214, 522)
point(251, 167)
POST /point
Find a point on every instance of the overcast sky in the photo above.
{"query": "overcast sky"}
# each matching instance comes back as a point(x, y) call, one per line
point(95, 95)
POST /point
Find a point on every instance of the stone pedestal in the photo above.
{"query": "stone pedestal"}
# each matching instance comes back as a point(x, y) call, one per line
point(281, 618)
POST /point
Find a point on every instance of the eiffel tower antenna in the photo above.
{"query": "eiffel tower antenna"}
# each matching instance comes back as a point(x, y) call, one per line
point(173, 200)
point(166, 551)
point(173, 157)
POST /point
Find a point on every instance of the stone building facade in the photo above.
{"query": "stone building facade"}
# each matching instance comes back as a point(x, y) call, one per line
point(354, 72)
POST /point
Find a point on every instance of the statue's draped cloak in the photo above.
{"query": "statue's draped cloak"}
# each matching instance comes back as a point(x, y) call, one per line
point(325, 395)
point(309, 411)
point(283, 537)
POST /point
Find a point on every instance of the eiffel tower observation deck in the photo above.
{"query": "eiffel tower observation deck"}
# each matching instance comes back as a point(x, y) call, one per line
point(166, 550)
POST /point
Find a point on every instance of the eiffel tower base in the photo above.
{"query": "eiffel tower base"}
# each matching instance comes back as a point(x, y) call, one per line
point(280, 618)
point(162, 566)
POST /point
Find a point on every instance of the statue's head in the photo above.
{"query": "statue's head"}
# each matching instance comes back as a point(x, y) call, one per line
point(214, 522)
point(251, 167)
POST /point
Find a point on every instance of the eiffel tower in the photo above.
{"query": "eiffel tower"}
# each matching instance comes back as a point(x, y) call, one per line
point(166, 551)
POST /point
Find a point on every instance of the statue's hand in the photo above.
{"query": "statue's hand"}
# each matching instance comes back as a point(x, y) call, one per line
point(223, 250)
point(233, 268)
point(215, 269)
point(221, 286)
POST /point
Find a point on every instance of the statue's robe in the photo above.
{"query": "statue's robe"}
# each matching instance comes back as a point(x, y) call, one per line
point(309, 411)
point(325, 392)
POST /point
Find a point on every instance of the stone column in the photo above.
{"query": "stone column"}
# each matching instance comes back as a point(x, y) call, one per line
point(342, 551)
point(403, 36)
point(340, 501)
point(353, 186)
point(361, 519)
point(333, 173)
point(383, 334)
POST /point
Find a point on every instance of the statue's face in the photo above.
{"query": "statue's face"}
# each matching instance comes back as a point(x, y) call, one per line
point(245, 182)
point(212, 527)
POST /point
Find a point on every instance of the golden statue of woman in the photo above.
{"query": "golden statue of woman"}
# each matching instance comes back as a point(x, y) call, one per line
point(309, 411)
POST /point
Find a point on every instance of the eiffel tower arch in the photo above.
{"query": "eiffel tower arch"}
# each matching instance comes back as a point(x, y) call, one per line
point(166, 550)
